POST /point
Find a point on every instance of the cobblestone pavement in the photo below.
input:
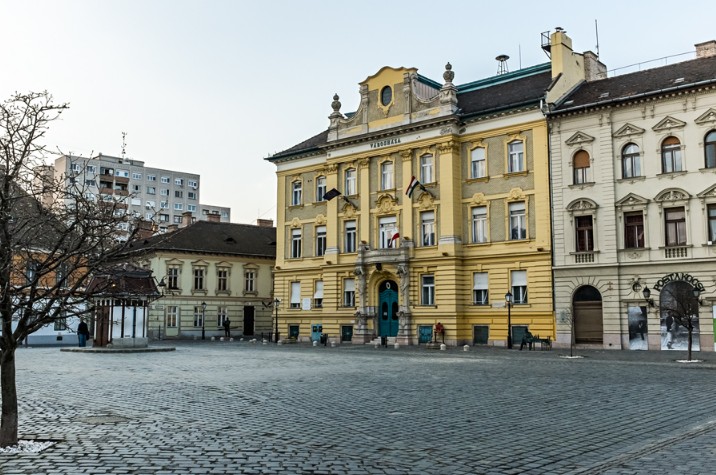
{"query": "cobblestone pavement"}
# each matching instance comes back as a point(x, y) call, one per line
point(245, 409)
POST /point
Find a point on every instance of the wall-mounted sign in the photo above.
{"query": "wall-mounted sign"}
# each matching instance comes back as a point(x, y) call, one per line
point(385, 143)
point(306, 304)
point(679, 276)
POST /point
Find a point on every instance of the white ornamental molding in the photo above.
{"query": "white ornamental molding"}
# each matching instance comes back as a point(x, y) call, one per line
point(579, 138)
point(628, 130)
point(667, 124)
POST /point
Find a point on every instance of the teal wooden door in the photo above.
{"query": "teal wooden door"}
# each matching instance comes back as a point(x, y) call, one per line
point(426, 333)
point(388, 309)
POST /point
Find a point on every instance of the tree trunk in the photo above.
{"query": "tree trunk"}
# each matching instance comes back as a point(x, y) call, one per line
point(690, 340)
point(8, 421)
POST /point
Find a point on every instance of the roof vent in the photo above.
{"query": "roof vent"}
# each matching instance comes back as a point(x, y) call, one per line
point(502, 64)
point(678, 80)
point(603, 95)
point(230, 239)
point(569, 103)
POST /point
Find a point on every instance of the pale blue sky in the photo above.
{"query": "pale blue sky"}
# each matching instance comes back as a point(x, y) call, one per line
point(212, 87)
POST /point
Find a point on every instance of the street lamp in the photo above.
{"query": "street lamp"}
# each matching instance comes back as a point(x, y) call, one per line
point(161, 286)
point(647, 294)
point(508, 299)
point(276, 303)
point(203, 314)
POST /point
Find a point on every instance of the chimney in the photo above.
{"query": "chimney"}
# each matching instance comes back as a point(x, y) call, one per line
point(186, 219)
point(172, 227)
point(706, 50)
point(568, 67)
point(594, 69)
point(264, 223)
point(213, 217)
point(145, 229)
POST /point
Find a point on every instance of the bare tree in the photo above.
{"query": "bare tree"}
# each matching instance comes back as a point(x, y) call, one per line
point(679, 305)
point(54, 234)
point(566, 317)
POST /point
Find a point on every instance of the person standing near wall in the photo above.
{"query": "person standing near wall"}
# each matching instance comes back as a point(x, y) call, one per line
point(82, 333)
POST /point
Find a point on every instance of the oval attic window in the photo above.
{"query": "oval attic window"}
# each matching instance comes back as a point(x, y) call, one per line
point(386, 95)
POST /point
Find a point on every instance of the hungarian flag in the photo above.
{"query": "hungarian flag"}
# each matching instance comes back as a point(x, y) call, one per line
point(392, 240)
point(413, 184)
point(331, 194)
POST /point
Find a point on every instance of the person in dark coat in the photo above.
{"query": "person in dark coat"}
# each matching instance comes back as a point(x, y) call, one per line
point(82, 333)
point(227, 326)
point(526, 336)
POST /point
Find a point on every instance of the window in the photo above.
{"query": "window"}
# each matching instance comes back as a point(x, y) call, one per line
point(90, 183)
point(670, 155)
point(178, 194)
point(224, 214)
point(179, 181)
point(386, 95)
point(428, 228)
point(296, 196)
point(350, 182)
point(198, 316)
point(350, 236)
point(191, 195)
point(89, 196)
point(30, 272)
point(177, 220)
point(148, 216)
point(585, 233)
point(61, 273)
point(518, 230)
point(205, 211)
point(151, 178)
point(428, 290)
point(387, 176)
point(136, 187)
point(634, 230)
point(479, 289)
point(479, 224)
point(581, 167)
point(320, 240)
point(221, 315)
point(318, 296)
point(675, 227)
point(295, 243)
point(172, 316)
point(250, 281)
point(320, 188)
point(164, 218)
point(198, 279)
point(631, 167)
point(193, 183)
point(349, 293)
point(151, 190)
point(295, 295)
point(519, 286)
point(106, 171)
point(122, 173)
point(164, 204)
point(191, 207)
point(710, 149)
point(478, 163)
point(165, 179)
point(426, 169)
point(61, 324)
point(222, 280)
point(91, 169)
point(712, 222)
point(164, 192)
point(516, 162)
point(75, 167)
point(387, 229)
point(178, 206)
point(151, 204)
point(137, 176)
point(173, 278)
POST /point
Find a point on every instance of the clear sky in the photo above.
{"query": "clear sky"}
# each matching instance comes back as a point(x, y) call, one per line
point(211, 87)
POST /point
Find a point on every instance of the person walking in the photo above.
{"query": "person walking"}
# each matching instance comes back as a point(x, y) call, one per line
point(82, 333)
point(227, 327)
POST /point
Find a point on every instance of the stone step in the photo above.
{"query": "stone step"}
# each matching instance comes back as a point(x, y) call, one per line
point(391, 341)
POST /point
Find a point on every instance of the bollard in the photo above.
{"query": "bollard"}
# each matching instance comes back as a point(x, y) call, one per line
point(377, 346)
point(241, 339)
point(264, 342)
point(196, 337)
point(466, 347)
point(231, 339)
point(221, 338)
point(280, 342)
point(443, 347)
point(396, 346)
point(213, 338)
point(333, 344)
point(315, 342)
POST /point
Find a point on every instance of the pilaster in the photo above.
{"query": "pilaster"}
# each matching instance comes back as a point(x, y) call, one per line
point(450, 211)
point(281, 222)
point(407, 206)
point(332, 218)
point(364, 212)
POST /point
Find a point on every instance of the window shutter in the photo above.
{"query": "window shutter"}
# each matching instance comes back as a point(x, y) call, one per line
point(670, 141)
point(388, 220)
point(519, 278)
point(479, 211)
point(296, 292)
point(478, 154)
point(428, 215)
point(581, 159)
point(319, 290)
point(520, 206)
point(321, 229)
point(480, 281)
point(350, 285)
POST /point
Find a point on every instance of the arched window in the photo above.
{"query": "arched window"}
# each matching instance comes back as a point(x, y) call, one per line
point(710, 148)
point(670, 155)
point(631, 166)
point(581, 167)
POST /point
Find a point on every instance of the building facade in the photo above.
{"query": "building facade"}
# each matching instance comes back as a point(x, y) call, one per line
point(376, 261)
point(633, 160)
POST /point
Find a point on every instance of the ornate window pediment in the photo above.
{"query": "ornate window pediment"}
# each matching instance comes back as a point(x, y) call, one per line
point(668, 123)
point(632, 199)
point(386, 205)
point(707, 118)
point(295, 223)
point(224, 264)
point(582, 204)
point(426, 201)
point(200, 263)
point(516, 194)
point(709, 192)
point(349, 211)
point(478, 199)
point(628, 130)
point(579, 138)
point(175, 262)
point(672, 195)
point(320, 220)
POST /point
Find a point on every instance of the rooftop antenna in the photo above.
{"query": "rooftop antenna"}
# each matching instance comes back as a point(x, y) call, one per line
point(596, 28)
point(502, 67)
point(520, 49)
point(124, 143)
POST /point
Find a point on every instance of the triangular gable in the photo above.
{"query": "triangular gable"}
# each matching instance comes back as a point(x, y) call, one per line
point(627, 130)
point(632, 199)
point(174, 262)
point(200, 263)
point(707, 118)
point(668, 123)
point(579, 138)
point(708, 192)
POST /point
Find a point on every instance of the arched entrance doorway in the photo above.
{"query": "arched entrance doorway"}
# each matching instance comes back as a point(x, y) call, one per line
point(587, 305)
point(388, 309)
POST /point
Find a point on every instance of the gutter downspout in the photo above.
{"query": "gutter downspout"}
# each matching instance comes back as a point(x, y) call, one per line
point(551, 217)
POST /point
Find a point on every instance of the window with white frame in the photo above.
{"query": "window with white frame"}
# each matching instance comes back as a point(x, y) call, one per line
point(198, 316)
point(221, 315)
point(178, 206)
point(165, 179)
point(224, 214)
point(428, 289)
point(320, 188)
point(318, 296)
point(518, 226)
point(177, 220)
point(191, 207)
point(631, 164)
point(387, 176)
point(151, 204)
point(172, 316)
point(388, 228)
point(426, 169)
point(427, 219)
point(90, 183)
point(519, 286)
point(151, 178)
point(178, 194)
point(350, 245)
point(295, 243)
point(222, 280)
point(350, 182)
point(91, 169)
point(478, 167)
point(122, 173)
point(193, 183)
point(173, 278)
point(191, 195)
point(164, 204)
point(164, 218)
point(151, 190)
point(479, 224)
point(320, 240)
point(295, 295)
point(179, 181)
point(75, 167)
point(349, 293)
point(296, 195)
point(480, 293)
point(90, 196)
point(164, 192)
point(516, 158)
point(136, 176)
point(148, 216)
point(250, 280)
point(136, 202)
point(137, 188)
point(198, 279)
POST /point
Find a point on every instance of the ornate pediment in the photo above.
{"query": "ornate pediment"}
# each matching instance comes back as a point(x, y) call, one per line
point(349, 211)
point(516, 194)
point(632, 199)
point(295, 223)
point(478, 199)
point(628, 130)
point(426, 201)
point(320, 220)
point(386, 205)
point(582, 204)
point(668, 123)
point(579, 138)
point(707, 118)
point(200, 263)
point(709, 192)
point(224, 264)
point(174, 262)
point(672, 194)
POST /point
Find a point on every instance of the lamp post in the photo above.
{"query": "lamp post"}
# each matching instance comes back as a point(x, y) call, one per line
point(161, 286)
point(276, 303)
point(508, 299)
point(203, 314)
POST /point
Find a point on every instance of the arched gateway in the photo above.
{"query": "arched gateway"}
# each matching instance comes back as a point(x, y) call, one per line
point(588, 325)
point(388, 309)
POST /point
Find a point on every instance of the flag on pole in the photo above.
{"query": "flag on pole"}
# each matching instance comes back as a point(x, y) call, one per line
point(413, 184)
point(331, 194)
point(392, 240)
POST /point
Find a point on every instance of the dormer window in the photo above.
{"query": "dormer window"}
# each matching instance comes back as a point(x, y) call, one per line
point(386, 95)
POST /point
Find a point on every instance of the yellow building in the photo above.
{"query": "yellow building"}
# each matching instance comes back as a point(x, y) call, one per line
point(478, 229)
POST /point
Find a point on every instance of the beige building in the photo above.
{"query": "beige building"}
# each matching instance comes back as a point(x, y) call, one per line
point(633, 166)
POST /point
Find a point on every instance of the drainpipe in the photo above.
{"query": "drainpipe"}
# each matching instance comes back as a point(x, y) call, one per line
point(551, 218)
